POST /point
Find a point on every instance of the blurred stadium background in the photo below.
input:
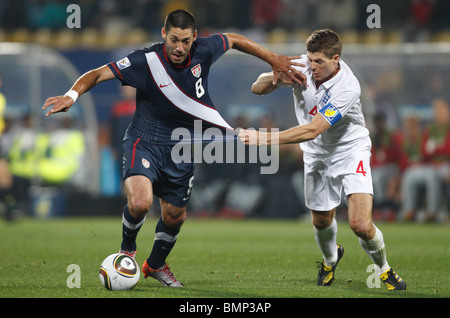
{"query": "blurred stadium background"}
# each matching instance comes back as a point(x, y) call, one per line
point(69, 165)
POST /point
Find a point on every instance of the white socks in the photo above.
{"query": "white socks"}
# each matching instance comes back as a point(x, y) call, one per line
point(326, 241)
point(376, 250)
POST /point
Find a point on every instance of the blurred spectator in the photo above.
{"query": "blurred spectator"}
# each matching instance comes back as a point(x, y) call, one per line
point(7, 197)
point(44, 158)
point(382, 98)
point(49, 14)
point(11, 129)
point(409, 139)
point(22, 156)
point(418, 17)
point(14, 193)
point(436, 152)
point(383, 162)
point(299, 14)
point(59, 153)
point(112, 16)
point(421, 12)
point(339, 15)
point(17, 167)
point(425, 160)
point(436, 145)
point(110, 163)
point(266, 13)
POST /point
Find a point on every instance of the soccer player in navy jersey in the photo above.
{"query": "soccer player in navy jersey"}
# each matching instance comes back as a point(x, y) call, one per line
point(171, 92)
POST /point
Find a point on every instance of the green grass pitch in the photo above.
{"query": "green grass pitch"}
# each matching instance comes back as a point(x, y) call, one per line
point(218, 259)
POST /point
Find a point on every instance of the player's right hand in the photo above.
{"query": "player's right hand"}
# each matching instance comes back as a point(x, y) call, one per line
point(286, 79)
point(61, 104)
point(285, 65)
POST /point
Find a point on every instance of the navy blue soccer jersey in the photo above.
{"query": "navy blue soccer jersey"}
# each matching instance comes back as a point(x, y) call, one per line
point(170, 96)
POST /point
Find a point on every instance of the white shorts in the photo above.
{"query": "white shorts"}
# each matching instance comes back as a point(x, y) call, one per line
point(326, 177)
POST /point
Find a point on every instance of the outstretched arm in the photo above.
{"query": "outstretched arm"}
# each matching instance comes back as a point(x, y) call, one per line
point(279, 63)
point(82, 85)
point(264, 83)
point(296, 134)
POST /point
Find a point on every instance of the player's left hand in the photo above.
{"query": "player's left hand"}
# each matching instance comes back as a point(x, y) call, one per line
point(285, 64)
point(61, 104)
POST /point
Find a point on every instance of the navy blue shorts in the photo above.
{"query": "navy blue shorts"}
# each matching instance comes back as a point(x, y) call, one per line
point(171, 181)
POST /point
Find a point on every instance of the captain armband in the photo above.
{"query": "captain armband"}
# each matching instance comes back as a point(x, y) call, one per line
point(331, 113)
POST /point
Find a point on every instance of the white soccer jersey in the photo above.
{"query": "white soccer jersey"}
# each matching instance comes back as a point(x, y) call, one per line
point(338, 101)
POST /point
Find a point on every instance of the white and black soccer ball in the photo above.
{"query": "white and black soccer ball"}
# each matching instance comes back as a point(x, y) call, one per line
point(119, 272)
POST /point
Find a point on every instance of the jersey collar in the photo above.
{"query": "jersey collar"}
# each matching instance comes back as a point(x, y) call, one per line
point(334, 79)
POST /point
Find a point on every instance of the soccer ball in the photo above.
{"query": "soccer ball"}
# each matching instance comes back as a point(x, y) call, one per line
point(119, 272)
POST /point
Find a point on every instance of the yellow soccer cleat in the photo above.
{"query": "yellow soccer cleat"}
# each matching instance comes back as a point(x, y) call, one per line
point(325, 277)
point(392, 280)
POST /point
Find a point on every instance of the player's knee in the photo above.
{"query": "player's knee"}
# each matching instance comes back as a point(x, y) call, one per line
point(322, 219)
point(139, 207)
point(174, 219)
point(362, 229)
point(321, 224)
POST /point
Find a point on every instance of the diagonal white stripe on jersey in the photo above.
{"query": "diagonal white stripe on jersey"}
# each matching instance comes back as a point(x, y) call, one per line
point(178, 97)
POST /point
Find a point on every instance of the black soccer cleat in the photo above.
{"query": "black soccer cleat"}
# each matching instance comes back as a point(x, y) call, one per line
point(325, 277)
point(392, 280)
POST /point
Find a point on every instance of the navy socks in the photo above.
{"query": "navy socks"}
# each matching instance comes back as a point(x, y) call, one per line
point(130, 229)
point(165, 239)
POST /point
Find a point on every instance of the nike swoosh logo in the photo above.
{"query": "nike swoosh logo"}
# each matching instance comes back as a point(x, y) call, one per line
point(160, 85)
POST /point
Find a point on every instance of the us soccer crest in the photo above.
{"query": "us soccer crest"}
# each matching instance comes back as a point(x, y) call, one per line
point(145, 163)
point(197, 70)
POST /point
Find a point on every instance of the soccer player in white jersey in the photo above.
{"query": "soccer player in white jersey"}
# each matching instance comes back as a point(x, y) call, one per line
point(336, 147)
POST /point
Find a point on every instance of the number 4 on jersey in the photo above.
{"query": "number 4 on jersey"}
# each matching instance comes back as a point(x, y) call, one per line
point(360, 169)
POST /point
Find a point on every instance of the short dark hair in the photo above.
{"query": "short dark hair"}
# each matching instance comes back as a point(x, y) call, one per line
point(180, 19)
point(326, 41)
